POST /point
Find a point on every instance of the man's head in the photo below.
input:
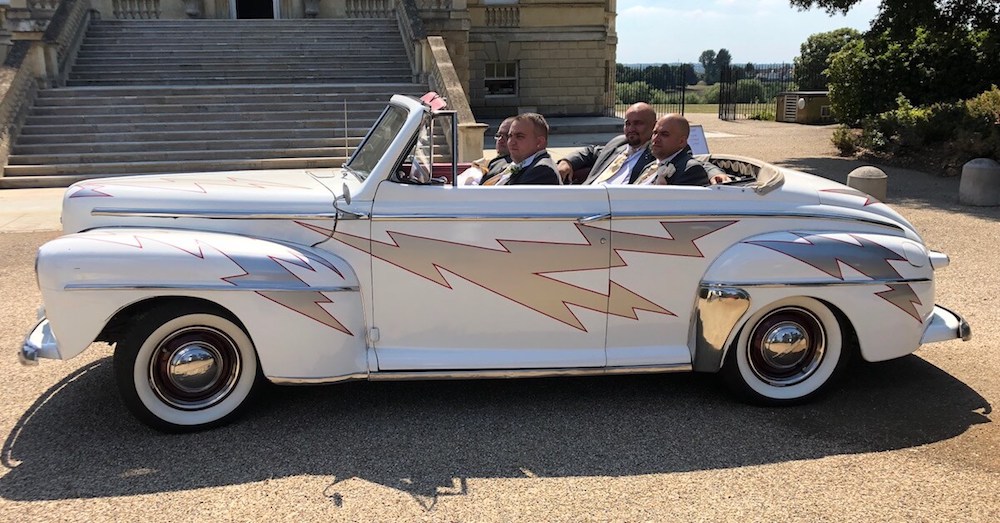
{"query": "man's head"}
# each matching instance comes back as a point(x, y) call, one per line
point(639, 121)
point(501, 137)
point(529, 133)
point(670, 134)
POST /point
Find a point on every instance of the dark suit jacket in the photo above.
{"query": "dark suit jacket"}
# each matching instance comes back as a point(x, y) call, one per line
point(599, 157)
point(541, 171)
point(496, 166)
point(688, 170)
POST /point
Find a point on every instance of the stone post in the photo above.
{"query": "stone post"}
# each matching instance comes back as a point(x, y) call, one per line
point(870, 180)
point(980, 183)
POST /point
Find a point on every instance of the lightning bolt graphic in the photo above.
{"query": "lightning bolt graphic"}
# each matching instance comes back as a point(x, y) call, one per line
point(517, 271)
point(260, 272)
point(865, 256)
point(184, 184)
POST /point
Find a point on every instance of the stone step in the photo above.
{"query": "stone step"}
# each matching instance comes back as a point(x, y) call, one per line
point(323, 109)
point(376, 89)
point(93, 133)
point(179, 136)
point(334, 116)
point(275, 142)
point(343, 68)
point(186, 25)
point(269, 55)
point(175, 156)
point(355, 100)
point(80, 171)
point(144, 81)
point(169, 39)
point(111, 124)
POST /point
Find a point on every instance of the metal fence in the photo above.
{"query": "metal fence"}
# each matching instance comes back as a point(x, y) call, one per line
point(743, 91)
point(751, 91)
point(664, 86)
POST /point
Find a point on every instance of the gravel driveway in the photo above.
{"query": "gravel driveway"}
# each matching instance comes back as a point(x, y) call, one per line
point(906, 440)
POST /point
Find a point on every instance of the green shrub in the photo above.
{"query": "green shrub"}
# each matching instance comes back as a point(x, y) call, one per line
point(845, 140)
point(762, 114)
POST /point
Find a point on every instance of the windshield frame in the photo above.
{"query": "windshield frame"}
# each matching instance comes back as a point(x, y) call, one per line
point(377, 141)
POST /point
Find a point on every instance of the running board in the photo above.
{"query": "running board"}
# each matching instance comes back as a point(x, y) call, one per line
point(421, 375)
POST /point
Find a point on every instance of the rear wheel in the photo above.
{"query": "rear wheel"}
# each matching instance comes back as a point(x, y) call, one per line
point(786, 354)
point(185, 370)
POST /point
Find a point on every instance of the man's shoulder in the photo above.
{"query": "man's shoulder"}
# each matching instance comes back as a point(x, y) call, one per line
point(616, 142)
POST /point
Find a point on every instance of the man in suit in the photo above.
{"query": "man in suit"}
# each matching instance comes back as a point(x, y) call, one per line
point(530, 162)
point(674, 165)
point(502, 159)
point(622, 159)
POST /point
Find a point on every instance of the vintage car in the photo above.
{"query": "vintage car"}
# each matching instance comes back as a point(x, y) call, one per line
point(387, 269)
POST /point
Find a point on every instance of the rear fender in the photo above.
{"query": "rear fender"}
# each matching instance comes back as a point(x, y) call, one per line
point(883, 285)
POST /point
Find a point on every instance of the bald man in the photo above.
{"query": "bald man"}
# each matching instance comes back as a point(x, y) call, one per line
point(622, 159)
point(674, 165)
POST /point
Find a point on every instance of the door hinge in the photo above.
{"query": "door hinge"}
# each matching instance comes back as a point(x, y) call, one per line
point(373, 335)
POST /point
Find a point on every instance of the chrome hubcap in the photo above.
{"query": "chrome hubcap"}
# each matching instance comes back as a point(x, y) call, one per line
point(786, 346)
point(194, 368)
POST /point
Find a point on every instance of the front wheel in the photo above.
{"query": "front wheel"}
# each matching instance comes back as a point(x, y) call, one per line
point(185, 370)
point(786, 354)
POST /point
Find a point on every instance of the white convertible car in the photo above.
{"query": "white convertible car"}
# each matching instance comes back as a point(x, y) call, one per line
point(208, 284)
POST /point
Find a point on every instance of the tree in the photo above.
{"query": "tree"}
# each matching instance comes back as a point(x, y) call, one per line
point(707, 60)
point(810, 66)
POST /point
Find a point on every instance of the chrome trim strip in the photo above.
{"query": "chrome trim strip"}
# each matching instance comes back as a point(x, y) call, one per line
point(523, 373)
point(317, 381)
point(210, 214)
point(882, 281)
point(718, 311)
point(485, 374)
point(628, 216)
point(205, 287)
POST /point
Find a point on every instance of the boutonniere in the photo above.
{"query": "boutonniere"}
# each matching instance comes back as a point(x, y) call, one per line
point(515, 168)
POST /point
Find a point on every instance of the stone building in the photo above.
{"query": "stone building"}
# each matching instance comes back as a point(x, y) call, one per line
point(555, 57)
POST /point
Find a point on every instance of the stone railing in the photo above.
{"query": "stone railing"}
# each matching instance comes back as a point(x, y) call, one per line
point(370, 8)
point(434, 5)
point(503, 16)
point(136, 9)
point(443, 78)
point(34, 64)
point(63, 37)
point(412, 30)
point(22, 75)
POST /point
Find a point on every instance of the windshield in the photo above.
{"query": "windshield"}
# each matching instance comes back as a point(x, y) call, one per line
point(373, 148)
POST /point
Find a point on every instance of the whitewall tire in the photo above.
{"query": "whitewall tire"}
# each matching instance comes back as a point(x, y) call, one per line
point(787, 353)
point(183, 370)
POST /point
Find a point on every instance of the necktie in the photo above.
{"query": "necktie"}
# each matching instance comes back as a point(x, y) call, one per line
point(503, 177)
point(650, 173)
point(613, 167)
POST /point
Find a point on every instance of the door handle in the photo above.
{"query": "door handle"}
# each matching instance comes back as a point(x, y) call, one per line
point(594, 218)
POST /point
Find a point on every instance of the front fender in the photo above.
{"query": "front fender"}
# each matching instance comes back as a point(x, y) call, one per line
point(882, 284)
point(301, 306)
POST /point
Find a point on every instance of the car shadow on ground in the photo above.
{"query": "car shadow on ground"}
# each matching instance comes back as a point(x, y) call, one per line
point(428, 438)
point(905, 186)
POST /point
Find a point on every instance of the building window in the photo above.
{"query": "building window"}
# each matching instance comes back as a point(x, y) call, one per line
point(501, 79)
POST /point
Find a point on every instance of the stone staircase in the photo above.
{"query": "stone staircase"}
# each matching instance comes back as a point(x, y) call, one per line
point(158, 96)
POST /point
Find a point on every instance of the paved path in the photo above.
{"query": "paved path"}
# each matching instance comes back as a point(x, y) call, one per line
point(906, 440)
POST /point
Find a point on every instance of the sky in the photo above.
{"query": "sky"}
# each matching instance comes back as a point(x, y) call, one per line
point(756, 31)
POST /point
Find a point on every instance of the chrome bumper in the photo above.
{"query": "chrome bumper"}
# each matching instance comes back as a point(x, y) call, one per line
point(40, 343)
point(946, 325)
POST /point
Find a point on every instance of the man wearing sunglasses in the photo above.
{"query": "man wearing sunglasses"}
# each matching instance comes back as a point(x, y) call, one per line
point(498, 164)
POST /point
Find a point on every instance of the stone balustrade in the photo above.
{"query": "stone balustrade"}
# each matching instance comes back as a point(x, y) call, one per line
point(444, 79)
point(503, 16)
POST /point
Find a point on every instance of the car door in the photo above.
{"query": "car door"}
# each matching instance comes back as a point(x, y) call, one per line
point(662, 240)
point(489, 277)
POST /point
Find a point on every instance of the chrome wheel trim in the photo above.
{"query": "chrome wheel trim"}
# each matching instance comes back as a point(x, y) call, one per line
point(194, 368)
point(786, 347)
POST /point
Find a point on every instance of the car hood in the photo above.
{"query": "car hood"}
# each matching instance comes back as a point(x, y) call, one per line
point(135, 200)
